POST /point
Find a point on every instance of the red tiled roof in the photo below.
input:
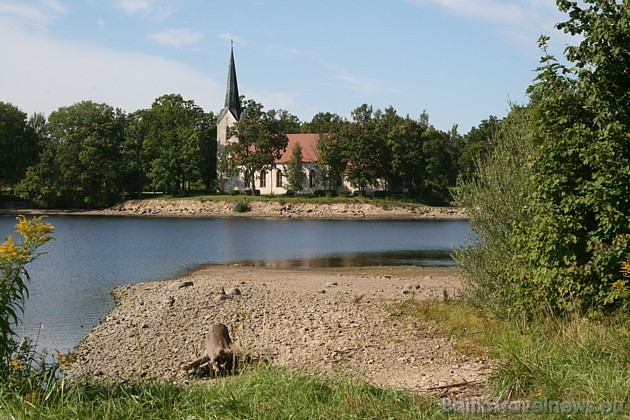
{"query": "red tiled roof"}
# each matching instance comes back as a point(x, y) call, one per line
point(309, 147)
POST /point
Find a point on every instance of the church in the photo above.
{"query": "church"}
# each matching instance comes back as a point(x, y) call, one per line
point(267, 182)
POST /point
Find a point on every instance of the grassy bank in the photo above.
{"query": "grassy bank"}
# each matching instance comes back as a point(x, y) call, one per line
point(259, 392)
point(566, 361)
point(579, 360)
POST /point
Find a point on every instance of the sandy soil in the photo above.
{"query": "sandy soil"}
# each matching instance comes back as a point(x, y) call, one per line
point(326, 321)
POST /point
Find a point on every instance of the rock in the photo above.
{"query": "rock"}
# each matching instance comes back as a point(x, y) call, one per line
point(331, 284)
point(221, 297)
point(233, 291)
point(181, 284)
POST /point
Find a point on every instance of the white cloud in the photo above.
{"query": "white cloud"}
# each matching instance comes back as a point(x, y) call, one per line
point(520, 21)
point(136, 6)
point(226, 36)
point(55, 5)
point(45, 74)
point(175, 37)
point(365, 86)
point(29, 14)
point(155, 9)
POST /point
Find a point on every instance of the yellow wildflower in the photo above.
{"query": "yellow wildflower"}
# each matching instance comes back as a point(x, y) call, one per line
point(34, 230)
point(64, 361)
point(10, 250)
point(15, 364)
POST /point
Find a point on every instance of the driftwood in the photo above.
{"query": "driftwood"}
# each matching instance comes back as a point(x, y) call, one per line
point(218, 359)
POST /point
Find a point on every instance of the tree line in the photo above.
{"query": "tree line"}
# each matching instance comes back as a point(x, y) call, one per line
point(91, 154)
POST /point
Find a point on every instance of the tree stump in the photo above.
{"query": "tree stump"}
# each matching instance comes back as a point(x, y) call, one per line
point(218, 358)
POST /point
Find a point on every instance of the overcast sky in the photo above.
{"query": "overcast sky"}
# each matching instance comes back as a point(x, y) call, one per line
point(460, 60)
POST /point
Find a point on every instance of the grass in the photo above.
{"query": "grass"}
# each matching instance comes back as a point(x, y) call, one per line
point(403, 202)
point(580, 360)
point(261, 392)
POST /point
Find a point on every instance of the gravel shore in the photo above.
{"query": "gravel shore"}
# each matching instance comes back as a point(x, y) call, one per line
point(270, 209)
point(326, 321)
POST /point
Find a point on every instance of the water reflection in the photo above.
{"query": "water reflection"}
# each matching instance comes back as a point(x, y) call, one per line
point(366, 259)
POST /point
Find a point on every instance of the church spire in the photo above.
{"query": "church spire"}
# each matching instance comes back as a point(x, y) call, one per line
point(232, 100)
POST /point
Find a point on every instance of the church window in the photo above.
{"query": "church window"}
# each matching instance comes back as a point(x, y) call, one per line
point(311, 178)
point(263, 179)
point(247, 178)
point(278, 178)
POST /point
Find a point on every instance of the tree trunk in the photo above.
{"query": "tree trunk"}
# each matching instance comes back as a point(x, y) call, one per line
point(218, 358)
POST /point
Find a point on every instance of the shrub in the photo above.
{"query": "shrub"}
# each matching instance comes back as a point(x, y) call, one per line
point(235, 192)
point(242, 207)
point(497, 199)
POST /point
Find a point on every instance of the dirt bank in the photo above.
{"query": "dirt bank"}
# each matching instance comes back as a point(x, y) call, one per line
point(212, 208)
point(273, 209)
point(332, 321)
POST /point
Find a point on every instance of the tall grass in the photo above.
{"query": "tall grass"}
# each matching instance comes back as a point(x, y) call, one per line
point(260, 392)
point(550, 359)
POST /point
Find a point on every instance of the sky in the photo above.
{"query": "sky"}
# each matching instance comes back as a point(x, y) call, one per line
point(460, 60)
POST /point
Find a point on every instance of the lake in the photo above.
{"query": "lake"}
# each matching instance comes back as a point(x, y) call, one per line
point(69, 292)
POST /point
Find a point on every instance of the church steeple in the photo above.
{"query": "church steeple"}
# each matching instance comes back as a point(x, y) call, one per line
point(232, 99)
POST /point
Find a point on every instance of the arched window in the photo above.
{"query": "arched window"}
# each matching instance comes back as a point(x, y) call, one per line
point(278, 178)
point(263, 179)
point(311, 178)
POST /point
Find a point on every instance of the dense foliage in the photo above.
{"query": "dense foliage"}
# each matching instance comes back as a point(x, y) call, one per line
point(91, 155)
point(497, 198)
point(579, 233)
point(561, 249)
point(19, 144)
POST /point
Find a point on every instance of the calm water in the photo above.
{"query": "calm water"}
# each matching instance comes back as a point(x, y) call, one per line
point(70, 285)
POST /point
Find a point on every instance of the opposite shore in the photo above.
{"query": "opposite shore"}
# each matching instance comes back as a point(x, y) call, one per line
point(262, 209)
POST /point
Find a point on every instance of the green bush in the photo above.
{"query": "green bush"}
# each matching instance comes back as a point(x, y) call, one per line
point(579, 231)
point(235, 192)
point(242, 207)
point(497, 199)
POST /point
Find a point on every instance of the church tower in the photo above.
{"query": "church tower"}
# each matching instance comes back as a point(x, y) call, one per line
point(232, 110)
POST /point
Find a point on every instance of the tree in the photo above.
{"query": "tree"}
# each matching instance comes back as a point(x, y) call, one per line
point(178, 137)
point(362, 148)
point(331, 160)
point(259, 145)
point(478, 143)
point(295, 170)
point(579, 232)
point(286, 122)
point(19, 145)
point(136, 161)
point(406, 143)
point(323, 122)
point(438, 166)
point(83, 154)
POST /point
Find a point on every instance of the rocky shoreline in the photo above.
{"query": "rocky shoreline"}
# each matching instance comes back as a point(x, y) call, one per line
point(271, 209)
point(340, 321)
